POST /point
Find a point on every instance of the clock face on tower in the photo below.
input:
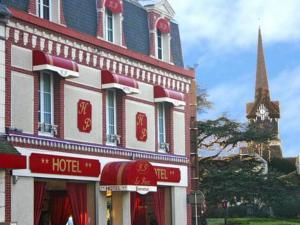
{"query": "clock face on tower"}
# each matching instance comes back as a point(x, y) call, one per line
point(262, 112)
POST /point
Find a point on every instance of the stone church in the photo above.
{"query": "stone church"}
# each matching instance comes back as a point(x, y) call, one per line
point(263, 111)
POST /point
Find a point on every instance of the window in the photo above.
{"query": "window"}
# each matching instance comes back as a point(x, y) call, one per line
point(162, 127)
point(159, 45)
point(46, 104)
point(111, 118)
point(109, 26)
point(44, 9)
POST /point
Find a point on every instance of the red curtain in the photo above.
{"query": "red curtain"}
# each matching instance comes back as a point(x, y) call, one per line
point(138, 209)
point(159, 205)
point(78, 199)
point(39, 193)
point(133, 204)
point(60, 208)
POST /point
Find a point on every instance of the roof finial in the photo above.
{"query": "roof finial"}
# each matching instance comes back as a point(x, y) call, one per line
point(261, 86)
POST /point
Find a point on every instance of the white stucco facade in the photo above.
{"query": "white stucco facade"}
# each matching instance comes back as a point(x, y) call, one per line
point(179, 195)
point(22, 199)
point(22, 102)
point(179, 133)
point(88, 76)
point(21, 58)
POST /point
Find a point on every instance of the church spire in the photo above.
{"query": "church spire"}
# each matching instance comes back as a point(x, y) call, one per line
point(261, 86)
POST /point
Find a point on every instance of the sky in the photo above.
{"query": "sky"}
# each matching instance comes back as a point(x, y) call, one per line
point(219, 39)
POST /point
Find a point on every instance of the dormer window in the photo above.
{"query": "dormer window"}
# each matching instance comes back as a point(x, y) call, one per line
point(109, 26)
point(44, 9)
point(163, 40)
point(113, 21)
point(159, 45)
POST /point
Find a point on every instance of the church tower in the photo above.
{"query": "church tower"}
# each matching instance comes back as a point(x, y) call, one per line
point(263, 111)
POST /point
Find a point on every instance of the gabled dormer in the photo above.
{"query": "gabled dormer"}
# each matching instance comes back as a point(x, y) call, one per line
point(51, 10)
point(160, 14)
point(110, 21)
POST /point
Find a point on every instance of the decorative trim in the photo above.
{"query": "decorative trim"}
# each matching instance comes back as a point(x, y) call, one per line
point(96, 58)
point(112, 151)
point(74, 35)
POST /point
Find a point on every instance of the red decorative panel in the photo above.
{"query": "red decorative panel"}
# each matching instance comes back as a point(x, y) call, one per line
point(140, 173)
point(163, 25)
point(84, 116)
point(114, 6)
point(167, 174)
point(141, 127)
point(53, 164)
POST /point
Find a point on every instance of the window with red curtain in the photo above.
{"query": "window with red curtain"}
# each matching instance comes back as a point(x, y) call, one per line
point(78, 198)
point(39, 193)
point(159, 205)
point(60, 208)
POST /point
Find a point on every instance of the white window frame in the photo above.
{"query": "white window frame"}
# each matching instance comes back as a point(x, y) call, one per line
point(162, 44)
point(40, 11)
point(41, 101)
point(164, 125)
point(115, 115)
point(107, 29)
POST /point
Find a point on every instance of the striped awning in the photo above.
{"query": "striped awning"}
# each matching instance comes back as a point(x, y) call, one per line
point(129, 176)
point(166, 95)
point(112, 80)
point(64, 67)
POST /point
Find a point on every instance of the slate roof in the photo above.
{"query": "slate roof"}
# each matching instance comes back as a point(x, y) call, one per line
point(176, 50)
point(76, 10)
point(135, 27)
point(18, 4)
point(82, 16)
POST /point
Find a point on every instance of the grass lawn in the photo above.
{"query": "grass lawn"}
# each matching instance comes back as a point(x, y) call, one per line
point(254, 221)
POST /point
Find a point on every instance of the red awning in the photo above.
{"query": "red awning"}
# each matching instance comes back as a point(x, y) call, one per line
point(126, 84)
point(129, 176)
point(163, 25)
point(64, 67)
point(114, 6)
point(12, 161)
point(166, 95)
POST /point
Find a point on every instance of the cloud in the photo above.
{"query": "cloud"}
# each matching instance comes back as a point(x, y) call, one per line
point(231, 97)
point(286, 88)
point(230, 24)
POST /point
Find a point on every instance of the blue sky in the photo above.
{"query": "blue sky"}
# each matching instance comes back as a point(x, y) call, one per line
point(221, 37)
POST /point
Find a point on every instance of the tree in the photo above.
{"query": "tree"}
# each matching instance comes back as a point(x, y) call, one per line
point(224, 133)
point(241, 181)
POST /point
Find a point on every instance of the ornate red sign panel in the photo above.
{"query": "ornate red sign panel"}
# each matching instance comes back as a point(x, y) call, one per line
point(141, 127)
point(163, 25)
point(167, 174)
point(84, 116)
point(53, 164)
point(114, 6)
